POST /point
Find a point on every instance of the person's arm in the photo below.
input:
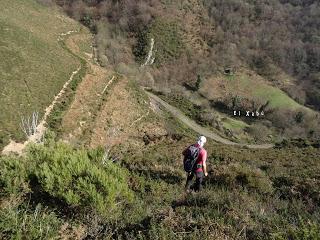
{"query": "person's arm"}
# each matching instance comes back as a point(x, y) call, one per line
point(204, 166)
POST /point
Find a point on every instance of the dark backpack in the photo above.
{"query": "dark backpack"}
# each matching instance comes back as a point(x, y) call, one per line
point(190, 158)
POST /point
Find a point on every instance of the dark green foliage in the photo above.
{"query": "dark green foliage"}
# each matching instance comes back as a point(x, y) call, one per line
point(198, 82)
point(88, 21)
point(4, 139)
point(142, 46)
point(313, 98)
point(81, 179)
point(13, 176)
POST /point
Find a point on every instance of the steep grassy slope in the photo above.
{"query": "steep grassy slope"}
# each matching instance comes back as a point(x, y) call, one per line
point(34, 65)
point(249, 194)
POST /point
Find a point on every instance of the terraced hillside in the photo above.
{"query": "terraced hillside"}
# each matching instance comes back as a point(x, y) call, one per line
point(34, 63)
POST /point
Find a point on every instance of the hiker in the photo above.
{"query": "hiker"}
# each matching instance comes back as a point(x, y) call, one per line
point(195, 157)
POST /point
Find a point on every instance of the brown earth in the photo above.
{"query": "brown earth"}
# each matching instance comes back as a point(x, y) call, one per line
point(123, 120)
point(88, 96)
point(105, 110)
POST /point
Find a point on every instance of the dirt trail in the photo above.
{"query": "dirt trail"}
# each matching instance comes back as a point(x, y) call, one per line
point(201, 130)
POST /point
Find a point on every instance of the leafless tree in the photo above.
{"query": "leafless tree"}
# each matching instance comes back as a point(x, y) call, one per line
point(29, 124)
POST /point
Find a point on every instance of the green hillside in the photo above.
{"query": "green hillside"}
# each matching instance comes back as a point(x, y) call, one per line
point(34, 65)
point(110, 165)
point(63, 192)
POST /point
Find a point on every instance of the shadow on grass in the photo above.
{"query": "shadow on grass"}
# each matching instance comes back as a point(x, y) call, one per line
point(161, 175)
point(39, 196)
point(189, 87)
point(195, 200)
point(152, 174)
point(132, 230)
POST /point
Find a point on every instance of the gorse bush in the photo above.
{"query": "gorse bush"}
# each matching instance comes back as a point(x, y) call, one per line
point(80, 179)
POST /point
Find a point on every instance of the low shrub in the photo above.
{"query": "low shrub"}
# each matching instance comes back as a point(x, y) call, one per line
point(81, 179)
point(236, 174)
point(4, 140)
point(259, 132)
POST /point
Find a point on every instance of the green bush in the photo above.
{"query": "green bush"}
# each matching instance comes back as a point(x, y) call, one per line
point(13, 176)
point(79, 178)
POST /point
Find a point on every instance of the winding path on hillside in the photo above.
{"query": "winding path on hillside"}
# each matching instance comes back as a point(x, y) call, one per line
point(201, 130)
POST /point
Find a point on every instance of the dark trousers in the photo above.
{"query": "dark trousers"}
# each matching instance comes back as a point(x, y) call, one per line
point(198, 184)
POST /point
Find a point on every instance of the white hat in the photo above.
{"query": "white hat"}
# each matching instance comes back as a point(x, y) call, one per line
point(202, 140)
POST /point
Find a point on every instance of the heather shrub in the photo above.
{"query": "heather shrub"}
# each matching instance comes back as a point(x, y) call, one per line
point(81, 178)
point(236, 174)
point(306, 230)
point(20, 222)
